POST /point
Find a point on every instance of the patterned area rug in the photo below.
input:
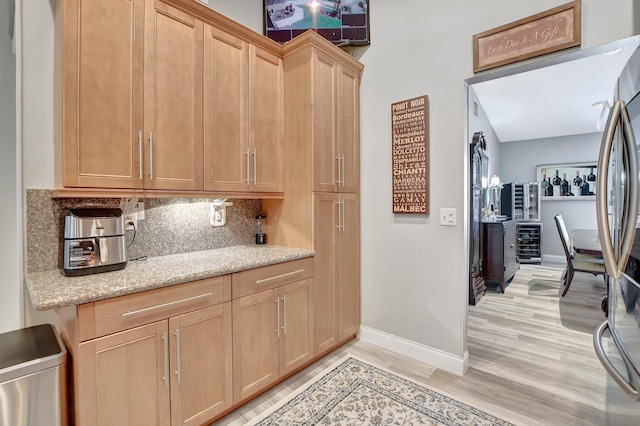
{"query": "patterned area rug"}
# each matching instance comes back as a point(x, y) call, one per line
point(354, 392)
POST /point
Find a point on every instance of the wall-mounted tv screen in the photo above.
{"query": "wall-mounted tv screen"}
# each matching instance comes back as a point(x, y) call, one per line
point(343, 22)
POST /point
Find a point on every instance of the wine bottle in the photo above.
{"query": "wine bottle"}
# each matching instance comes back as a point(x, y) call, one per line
point(585, 186)
point(592, 182)
point(557, 182)
point(564, 186)
point(549, 189)
point(577, 184)
point(543, 184)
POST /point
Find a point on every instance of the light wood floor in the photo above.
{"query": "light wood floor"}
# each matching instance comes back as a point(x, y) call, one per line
point(531, 358)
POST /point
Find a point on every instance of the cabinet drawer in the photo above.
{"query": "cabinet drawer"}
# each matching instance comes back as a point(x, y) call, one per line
point(121, 313)
point(259, 279)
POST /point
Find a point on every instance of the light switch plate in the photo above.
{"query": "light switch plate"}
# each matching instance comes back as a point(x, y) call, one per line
point(448, 217)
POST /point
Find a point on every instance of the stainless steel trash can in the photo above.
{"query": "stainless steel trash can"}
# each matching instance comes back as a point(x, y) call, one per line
point(33, 377)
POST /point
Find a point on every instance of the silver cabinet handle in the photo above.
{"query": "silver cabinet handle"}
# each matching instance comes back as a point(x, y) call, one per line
point(342, 171)
point(278, 312)
point(140, 154)
point(606, 363)
point(165, 344)
point(151, 155)
point(246, 155)
point(343, 211)
point(284, 313)
point(602, 216)
point(339, 212)
point(255, 168)
point(164, 305)
point(298, 271)
point(338, 160)
point(178, 350)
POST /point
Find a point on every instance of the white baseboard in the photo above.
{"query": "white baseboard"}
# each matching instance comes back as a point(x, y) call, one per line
point(442, 360)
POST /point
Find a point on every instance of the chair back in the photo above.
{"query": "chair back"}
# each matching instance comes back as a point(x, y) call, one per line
point(564, 236)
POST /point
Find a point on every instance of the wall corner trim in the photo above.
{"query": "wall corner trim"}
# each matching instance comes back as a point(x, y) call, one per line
point(434, 357)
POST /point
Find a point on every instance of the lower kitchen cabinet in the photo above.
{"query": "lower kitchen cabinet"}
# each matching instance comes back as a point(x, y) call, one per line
point(201, 380)
point(272, 336)
point(337, 269)
point(171, 372)
point(122, 378)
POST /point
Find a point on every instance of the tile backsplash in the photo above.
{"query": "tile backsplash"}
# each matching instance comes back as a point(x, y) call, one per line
point(171, 225)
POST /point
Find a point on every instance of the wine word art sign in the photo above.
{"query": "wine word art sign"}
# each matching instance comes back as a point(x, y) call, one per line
point(410, 155)
point(546, 32)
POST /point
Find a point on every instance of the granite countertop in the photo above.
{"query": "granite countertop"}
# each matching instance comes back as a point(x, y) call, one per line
point(52, 289)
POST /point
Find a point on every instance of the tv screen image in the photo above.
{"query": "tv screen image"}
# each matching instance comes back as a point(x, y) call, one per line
point(343, 22)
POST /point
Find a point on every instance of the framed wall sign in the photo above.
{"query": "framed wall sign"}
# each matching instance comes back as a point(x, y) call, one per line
point(410, 155)
point(555, 29)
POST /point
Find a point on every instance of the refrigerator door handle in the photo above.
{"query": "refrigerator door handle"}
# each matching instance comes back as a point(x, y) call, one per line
point(604, 231)
point(625, 384)
point(630, 215)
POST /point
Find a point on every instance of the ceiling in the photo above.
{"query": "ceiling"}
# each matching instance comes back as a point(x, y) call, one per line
point(555, 100)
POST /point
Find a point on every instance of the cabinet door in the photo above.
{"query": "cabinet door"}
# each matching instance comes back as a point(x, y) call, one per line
point(324, 93)
point(296, 337)
point(349, 266)
point(255, 343)
point(173, 98)
point(348, 130)
point(123, 378)
point(325, 296)
point(266, 121)
point(201, 362)
point(226, 91)
point(102, 107)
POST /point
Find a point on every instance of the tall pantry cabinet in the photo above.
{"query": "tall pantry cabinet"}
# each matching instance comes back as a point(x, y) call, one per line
point(321, 207)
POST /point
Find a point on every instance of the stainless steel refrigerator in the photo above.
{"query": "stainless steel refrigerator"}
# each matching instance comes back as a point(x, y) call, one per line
point(617, 340)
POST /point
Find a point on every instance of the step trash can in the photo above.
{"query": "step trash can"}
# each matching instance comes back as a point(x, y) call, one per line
point(33, 377)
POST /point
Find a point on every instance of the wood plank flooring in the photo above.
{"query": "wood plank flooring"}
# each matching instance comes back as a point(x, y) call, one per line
point(530, 353)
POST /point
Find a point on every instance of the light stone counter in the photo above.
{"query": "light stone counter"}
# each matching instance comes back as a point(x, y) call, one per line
point(51, 289)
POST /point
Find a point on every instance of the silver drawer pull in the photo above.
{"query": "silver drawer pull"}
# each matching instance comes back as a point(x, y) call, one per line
point(279, 276)
point(164, 305)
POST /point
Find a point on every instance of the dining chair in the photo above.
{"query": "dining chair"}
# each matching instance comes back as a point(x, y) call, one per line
point(577, 262)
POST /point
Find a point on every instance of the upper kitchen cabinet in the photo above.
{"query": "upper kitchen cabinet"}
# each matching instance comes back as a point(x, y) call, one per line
point(129, 116)
point(99, 89)
point(244, 113)
point(327, 99)
point(173, 139)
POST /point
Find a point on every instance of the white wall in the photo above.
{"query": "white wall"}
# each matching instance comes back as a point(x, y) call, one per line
point(518, 164)
point(10, 289)
point(414, 283)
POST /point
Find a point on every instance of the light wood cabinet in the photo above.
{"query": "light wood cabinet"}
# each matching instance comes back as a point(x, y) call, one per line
point(337, 277)
point(131, 117)
point(173, 133)
point(320, 210)
point(243, 115)
point(272, 332)
point(159, 357)
point(335, 97)
point(255, 343)
point(201, 379)
point(123, 378)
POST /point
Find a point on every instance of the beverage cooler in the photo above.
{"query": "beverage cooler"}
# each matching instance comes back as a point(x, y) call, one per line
point(521, 202)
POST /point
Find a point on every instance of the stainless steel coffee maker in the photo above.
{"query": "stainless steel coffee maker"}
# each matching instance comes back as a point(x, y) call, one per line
point(92, 241)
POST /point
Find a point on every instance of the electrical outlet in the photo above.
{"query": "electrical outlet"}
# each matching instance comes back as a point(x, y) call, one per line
point(133, 212)
point(448, 217)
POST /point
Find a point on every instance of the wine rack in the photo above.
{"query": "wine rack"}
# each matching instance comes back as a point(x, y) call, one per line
point(529, 242)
